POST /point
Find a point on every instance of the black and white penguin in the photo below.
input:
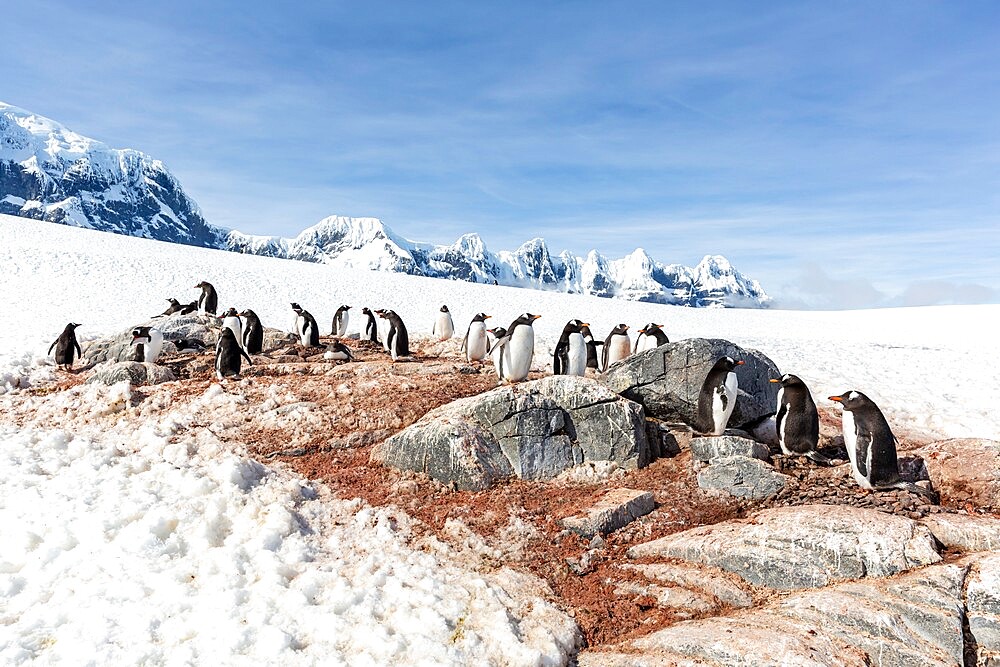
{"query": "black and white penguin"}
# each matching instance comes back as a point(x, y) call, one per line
point(444, 327)
point(208, 302)
point(797, 423)
point(871, 445)
point(253, 332)
point(175, 307)
point(188, 308)
point(570, 356)
point(229, 355)
point(340, 319)
point(371, 326)
point(475, 344)
point(518, 349)
point(65, 345)
point(189, 345)
point(650, 336)
point(383, 327)
point(718, 396)
point(306, 327)
point(617, 346)
point(495, 350)
point(593, 359)
point(396, 338)
point(148, 343)
point(337, 351)
point(231, 320)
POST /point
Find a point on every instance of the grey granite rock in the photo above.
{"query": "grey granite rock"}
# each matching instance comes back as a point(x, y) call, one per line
point(133, 372)
point(743, 477)
point(708, 448)
point(617, 508)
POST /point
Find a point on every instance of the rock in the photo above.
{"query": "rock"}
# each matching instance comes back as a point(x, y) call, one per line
point(743, 477)
point(678, 599)
point(966, 533)
point(135, 372)
point(982, 594)
point(965, 469)
point(708, 448)
point(726, 588)
point(532, 430)
point(175, 327)
point(915, 619)
point(666, 380)
point(615, 509)
point(788, 548)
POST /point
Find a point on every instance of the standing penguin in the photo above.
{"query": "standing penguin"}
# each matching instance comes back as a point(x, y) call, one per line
point(371, 326)
point(340, 319)
point(518, 348)
point(617, 346)
point(66, 344)
point(208, 302)
point(337, 351)
point(718, 396)
point(253, 332)
point(475, 344)
point(231, 320)
point(570, 356)
point(396, 339)
point(650, 336)
point(306, 327)
point(148, 343)
point(593, 358)
point(444, 327)
point(797, 422)
point(495, 351)
point(871, 445)
point(229, 355)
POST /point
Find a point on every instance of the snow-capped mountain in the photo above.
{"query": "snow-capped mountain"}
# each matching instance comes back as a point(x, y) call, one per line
point(51, 173)
point(48, 172)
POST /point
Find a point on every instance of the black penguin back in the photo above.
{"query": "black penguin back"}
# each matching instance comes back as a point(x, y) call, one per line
point(253, 333)
point(871, 427)
point(797, 420)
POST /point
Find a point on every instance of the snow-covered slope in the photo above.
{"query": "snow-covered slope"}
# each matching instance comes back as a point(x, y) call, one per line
point(48, 172)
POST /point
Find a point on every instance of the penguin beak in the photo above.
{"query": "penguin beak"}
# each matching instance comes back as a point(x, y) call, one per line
point(836, 399)
point(487, 317)
point(535, 317)
point(773, 380)
point(585, 324)
point(740, 363)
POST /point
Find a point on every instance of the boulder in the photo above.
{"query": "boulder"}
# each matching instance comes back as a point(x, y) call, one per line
point(965, 470)
point(965, 533)
point(134, 372)
point(743, 477)
point(706, 449)
point(617, 508)
point(175, 327)
point(982, 596)
point(791, 548)
point(667, 380)
point(532, 430)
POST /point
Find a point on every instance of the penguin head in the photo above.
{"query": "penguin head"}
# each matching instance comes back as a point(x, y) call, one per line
point(498, 332)
point(852, 400)
point(246, 312)
point(620, 330)
point(140, 334)
point(202, 285)
point(585, 330)
point(648, 329)
point(527, 318)
point(576, 326)
point(727, 363)
point(444, 309)
point(481, 317)
point(297, 308)
point(366, 311)
point(344, 308)
point(72, 326)
point(789, 380)
point(231, 313)
point(174, 302)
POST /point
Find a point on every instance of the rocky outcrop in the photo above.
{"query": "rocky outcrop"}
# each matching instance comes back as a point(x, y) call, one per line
point(965, 470)
point(706, 449)
point(982, 599)
point(134, 372)
point(743, 477)
point(666, 380)
point(965, 533)
point(808, 546)
point(533, 430)
point(616, 509)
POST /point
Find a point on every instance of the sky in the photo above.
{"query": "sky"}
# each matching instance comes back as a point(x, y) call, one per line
point(844, 154)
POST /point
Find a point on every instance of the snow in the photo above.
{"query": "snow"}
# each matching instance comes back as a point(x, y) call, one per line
point(165, 544)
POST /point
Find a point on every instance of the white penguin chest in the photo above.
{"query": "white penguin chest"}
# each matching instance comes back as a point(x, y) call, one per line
point(476, 344)
point(851, 444)
point(518, 353)
point(784, 421)
point(723, 402)
point(618, 349)
point(577, 355)
point(443, 327)
point(235, 325)
point(646, 342)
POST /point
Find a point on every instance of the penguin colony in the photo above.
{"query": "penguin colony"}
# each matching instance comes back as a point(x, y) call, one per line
point(870, 443)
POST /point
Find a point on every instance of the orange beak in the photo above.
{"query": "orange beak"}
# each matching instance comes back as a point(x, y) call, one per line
point(537, 316)
point(585, 324)
point(773, 380)
point(838, 399)
point(740, 363)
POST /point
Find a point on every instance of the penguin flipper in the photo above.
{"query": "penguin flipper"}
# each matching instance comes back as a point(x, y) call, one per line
point(819, 458)
point(79, 352)
point(465, 341)
point(52, 346)
point(246, 356)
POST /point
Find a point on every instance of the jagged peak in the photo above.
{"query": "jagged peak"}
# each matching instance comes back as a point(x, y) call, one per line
point(471, 244)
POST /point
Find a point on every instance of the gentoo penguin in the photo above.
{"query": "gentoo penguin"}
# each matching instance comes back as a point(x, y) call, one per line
point(65, 346)
point(444, 327)
point(337, 351)
point(797, 422)
point(175, 307)
point(475, 344)
point(231, 320)
point(617, 346)
point(229, 355)
point(518, 349)
point(208, 302)
point(871, 446)
point(495, 351)
point(340, 319)
point(189, 308)
point(189, 345)
point(396, 339)
point(570, 356)
point(592, 357)
point(306, 327)
point(650, 336)
point(371, 326)
point(148, 342)
point(718, 396)
point(253, 332)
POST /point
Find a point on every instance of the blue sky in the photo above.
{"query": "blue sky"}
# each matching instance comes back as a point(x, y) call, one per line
point(845, 154)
